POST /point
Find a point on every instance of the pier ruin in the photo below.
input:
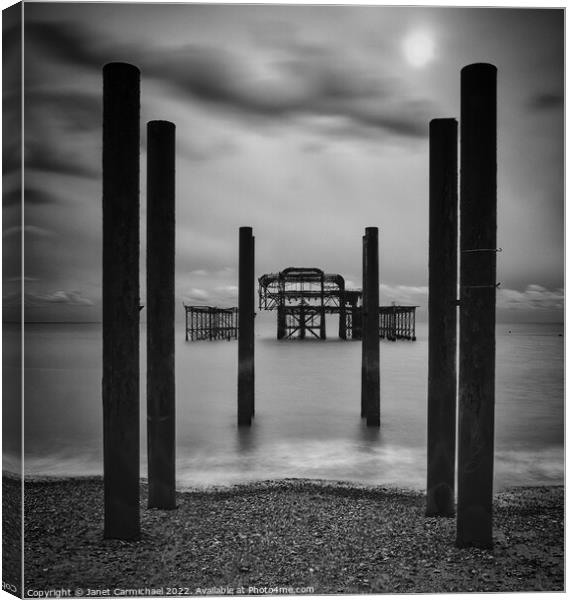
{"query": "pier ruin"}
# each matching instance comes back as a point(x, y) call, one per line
point(302, 296)
point(210, 323)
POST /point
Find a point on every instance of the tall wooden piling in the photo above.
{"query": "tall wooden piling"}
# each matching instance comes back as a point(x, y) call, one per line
point(160, 313)
point(342, 312)
point(362, 326)
point(442, 300)
point(371, 370)
point(120, 385)
point(246, 327)
point(478, 210)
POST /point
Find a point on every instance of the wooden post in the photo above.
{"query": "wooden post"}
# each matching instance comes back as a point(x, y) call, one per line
point(342, 311)
point(442, 300)
point(478, 210)
point(120, 384)
point(246, 327)
point(322, 332)
point(371, 384)
point(160, 313)
point(362, 323)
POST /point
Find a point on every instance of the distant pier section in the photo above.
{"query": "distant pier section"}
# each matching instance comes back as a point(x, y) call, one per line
point(211, 323)
point(302, 297)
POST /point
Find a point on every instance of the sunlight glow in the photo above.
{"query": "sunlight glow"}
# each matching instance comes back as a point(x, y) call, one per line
point(418, 48)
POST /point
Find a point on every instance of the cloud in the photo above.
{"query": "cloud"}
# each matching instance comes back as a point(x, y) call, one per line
point(32, 195)
point(227, 292)
point(45, 156)
point(72, 297)
point(60, 124)
point(196, 295)
point(216, 295)
point(67, 41)
point(534, 297)
point(546, 101)
point(403, 294)
point(201, 151)
point(308, 83)
point(81, 110)
point(299, 80)
point(28, 229)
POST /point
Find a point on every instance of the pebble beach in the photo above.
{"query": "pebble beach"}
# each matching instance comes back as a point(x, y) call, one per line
point(287, 537)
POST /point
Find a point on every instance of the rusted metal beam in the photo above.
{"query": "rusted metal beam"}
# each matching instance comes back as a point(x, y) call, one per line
point(120, 384)
point(442, 311)
point(478, 217)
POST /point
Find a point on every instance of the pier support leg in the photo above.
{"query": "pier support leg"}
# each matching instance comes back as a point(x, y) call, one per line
point(478, 210)
point(246, 327)
point(343, 322)
point(442, 289)
point(160, 313)
point(120, 385)
point(342, 314)
point(356, 324)
point(302, 323)
point(281, 318)
point(371, 370)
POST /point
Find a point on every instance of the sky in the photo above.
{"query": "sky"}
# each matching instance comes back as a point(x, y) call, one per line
point(308, 123)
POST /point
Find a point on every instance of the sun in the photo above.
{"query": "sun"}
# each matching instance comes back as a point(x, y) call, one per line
point(418, 48)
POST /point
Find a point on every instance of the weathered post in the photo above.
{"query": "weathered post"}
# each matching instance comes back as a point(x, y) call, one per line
point(246, 327)
point(362, 328)
point(322, 332)
point(120, 292)
point(442, 300)
point(342, 311)
point(160, 313)
point(478, 210)
point(371, 385)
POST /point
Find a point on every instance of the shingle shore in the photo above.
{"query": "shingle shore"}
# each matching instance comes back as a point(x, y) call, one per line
point(286, 536)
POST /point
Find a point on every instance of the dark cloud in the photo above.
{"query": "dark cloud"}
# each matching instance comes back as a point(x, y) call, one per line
point(42, 157)
point(310, 83)
point(55, 122)
point(79, 111)
point(72, 297)
point(32, 196)
point(69, 42)
point(546, 101)
point(308, 80)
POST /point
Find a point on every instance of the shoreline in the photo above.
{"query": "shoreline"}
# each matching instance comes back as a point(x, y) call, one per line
point(332, 537)
point(262, 483)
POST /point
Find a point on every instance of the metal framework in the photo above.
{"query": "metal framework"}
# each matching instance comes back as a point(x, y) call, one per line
point(211, 323)
point(302, 297)
point(397, 322)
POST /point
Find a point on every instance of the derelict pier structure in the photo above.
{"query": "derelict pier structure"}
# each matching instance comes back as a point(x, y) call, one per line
point(302, 296)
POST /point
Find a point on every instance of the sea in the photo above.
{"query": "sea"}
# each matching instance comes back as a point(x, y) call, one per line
point(307, 400)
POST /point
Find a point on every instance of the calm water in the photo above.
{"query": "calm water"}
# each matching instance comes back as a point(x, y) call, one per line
point(307, 408)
